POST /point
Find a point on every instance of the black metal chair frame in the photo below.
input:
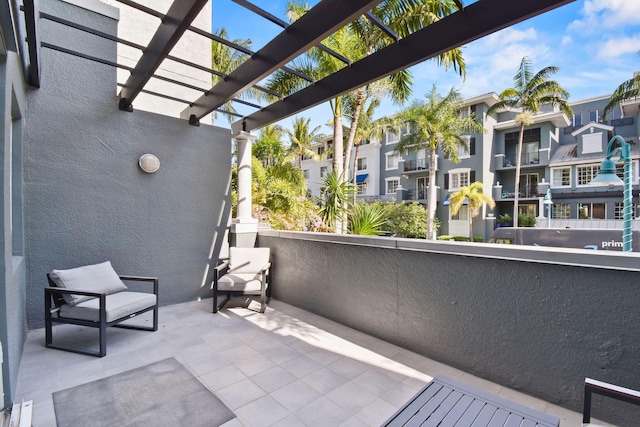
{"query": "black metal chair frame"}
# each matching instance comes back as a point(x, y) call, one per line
point(264, 293)
point(592, 386)
point(53, 300)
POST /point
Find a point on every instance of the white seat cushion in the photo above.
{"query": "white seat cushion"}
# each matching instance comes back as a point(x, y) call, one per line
point(118, 305)
point(241, 282)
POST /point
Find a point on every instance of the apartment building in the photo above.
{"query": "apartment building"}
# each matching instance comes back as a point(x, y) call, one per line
point(561, 154)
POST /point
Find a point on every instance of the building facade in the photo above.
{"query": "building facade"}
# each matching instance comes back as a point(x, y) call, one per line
point(559, 153)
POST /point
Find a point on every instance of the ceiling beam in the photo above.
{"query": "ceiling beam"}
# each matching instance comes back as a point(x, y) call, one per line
point(475, 21)
point(321, 21)
point(176, 21)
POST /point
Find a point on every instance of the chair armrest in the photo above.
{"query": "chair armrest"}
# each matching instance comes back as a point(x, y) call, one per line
point(49, 290)
point(266, 267)
point(155, 280)
point(224, 265)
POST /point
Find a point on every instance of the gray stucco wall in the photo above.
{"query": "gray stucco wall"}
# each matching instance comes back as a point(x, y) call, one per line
point(13, 324)
point(536, 320)
point(86, 200)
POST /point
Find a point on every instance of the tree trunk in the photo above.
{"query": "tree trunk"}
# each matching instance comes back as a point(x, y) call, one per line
point(470, 224)
point(355, 162)
point(431, 203)
point(352, 132)
point(338, 159)
point(517, 180)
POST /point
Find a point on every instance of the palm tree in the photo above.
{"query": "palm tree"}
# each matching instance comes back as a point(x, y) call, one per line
point(475, 198)
point(268, 147)
point(301, 138)
point(435, 124)
point(529, 93)
point(225, 59)
point(627, 90)
point(355, 41)
point(336, 193)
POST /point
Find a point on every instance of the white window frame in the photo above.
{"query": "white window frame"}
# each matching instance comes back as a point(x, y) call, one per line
point(388, 180)
point(361, 188)
point(324, 170)
point(386, 161)
point(593, 166)
point(458, 173)
point(555, 171)
point(391, 133)
point(462, 153)
point(358, 164)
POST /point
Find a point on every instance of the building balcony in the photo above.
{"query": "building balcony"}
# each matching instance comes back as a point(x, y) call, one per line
point(532, 159)
point(416, 165)
point(285, 367)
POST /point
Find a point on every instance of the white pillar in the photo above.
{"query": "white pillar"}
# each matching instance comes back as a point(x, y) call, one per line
point(244, 227)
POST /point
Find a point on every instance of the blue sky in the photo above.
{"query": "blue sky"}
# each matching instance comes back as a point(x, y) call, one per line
point(593, 42)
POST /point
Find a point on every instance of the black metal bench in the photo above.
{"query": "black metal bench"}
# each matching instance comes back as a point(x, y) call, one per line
point(445, 402)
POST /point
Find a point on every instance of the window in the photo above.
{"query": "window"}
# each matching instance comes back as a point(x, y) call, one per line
point(529, 185)
point(594, 116)
point(392, 161)
point(463, 214)
point(458, 180)
point(463, 152)
point(361, 188)
point(323, 171)
point(587, 173)
point(422, 187)
point(561, 211)
point(577, 120)
point(618, 210)
point(391, 137)
point(561, 177)
point(592, 210)
point(362, 164)
point(392, 185)
point(620, 171)
point(320, 151)
point(306, 173)
point(530, 153)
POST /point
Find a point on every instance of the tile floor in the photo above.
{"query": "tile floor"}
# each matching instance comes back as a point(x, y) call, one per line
point(287, 367)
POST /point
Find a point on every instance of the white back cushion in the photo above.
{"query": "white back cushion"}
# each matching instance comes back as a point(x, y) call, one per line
point(248, 260)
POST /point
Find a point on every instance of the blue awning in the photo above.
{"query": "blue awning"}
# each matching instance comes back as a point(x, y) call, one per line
point(361, 178)
point(446, 201)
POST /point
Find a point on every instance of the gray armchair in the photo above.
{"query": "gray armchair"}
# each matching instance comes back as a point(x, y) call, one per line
point(245, 273)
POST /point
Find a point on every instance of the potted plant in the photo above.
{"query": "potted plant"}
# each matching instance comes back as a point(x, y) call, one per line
point(504, 220)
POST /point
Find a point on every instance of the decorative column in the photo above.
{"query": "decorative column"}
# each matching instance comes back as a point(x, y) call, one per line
point(244, 228)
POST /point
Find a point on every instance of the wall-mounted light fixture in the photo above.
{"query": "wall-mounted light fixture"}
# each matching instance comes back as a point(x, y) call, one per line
point(149, 163)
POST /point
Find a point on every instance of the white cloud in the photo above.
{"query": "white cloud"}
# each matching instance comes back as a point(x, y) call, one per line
point(610, 14)
point(566, 40)
point(615, 47)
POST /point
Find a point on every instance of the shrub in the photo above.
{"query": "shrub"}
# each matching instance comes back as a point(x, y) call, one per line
point(367, 219)
point(526, 220)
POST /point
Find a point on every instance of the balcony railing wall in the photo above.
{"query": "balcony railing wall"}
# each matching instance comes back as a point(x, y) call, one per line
point(540, 326)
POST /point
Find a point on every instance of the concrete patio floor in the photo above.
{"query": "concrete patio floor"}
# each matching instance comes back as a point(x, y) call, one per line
point(287, 367)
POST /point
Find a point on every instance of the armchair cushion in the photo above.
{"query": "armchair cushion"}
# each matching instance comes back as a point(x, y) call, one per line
point(240, 282)
point(92, 278)
point(248, 260)
point(118, 305)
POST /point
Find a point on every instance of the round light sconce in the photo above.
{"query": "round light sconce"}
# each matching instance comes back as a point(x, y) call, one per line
point(149, 163)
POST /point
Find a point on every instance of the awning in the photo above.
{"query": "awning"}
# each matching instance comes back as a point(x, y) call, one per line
point(446, 201)
point(361, 178)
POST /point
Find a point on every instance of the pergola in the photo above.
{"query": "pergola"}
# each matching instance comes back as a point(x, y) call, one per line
point(470, 22)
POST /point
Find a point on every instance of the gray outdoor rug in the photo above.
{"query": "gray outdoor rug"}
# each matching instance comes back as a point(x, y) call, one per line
point(157, 395)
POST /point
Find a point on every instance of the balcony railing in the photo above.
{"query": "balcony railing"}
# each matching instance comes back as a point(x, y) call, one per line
point(414, 165)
